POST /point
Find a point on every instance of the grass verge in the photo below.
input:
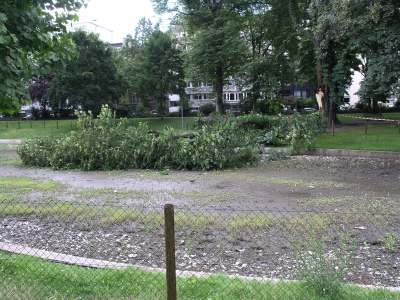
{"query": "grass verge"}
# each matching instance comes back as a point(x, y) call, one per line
point(23, 277)
point(379, 138)
point(29, 129)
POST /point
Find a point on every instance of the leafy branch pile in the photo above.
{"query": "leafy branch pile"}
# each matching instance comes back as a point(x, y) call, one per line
point(105, 143)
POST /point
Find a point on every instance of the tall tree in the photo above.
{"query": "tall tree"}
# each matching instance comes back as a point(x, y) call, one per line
point(32, 34)
point(130, 57)
point(216, 49)
point(271, 29)
point(88, 80)
point(376, 28)
point(336, 56)
point(160, 70)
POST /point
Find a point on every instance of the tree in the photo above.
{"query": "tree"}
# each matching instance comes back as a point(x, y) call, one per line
point(161, 70)
point(129, 59)
point(32, 35)
point(216, 50)
point(90, 79)
point(279, 53)
point(357, 35)
point(376, 28)
point(336, 56)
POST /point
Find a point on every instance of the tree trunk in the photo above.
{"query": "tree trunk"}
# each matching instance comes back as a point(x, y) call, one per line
point(219, 89)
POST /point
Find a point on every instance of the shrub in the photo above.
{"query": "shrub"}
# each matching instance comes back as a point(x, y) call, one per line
point(219, 146)
point(36, 152)
point(207, 109)
point(303, 131)
point(297, 131)
point(105, 143)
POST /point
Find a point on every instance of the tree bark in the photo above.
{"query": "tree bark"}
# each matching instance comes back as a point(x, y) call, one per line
point(219, 89)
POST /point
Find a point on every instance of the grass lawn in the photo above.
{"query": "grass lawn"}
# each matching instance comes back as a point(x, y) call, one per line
point(380, 137)
point(347, 118)
point(28, 129)
point(23, 277)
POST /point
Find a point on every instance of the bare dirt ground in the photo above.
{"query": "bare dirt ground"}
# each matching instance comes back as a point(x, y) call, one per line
point(245, 221)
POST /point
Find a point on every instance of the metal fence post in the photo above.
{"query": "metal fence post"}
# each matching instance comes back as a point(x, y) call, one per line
point(170, 251)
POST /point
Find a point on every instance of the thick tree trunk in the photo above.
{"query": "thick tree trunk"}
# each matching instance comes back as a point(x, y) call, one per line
point(219, 89)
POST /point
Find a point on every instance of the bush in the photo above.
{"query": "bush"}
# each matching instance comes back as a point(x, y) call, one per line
point(36, 152)
point(297, 131)
point(303, 131)
point(105, 144)
point(207, 109)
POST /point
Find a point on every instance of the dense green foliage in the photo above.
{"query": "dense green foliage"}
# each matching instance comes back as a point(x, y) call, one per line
point(88, 80)
point(32, 37)
point(297, 131)
point(106, 143)
point(151, 66)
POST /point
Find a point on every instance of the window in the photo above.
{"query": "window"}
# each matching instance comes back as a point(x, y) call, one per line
point(241, 96)
point(232, 97)
point(197, 97)
point(297, 93)
point(205, 96)
point(225, 96)
point(304, 94)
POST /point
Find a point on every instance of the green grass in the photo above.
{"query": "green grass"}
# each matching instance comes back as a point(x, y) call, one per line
point(24, 277)
point(379, 138)
point(26, 183)
point(345, 118)
point(8, 155)
point(29, 129)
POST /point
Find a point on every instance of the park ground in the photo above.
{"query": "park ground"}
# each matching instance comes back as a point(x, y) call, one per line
point(249, 222)
point(241, 222)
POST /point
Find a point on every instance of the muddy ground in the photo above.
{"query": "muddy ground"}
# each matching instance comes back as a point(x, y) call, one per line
point(248, 221)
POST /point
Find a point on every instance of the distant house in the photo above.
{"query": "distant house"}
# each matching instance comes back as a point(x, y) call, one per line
point(116, 45)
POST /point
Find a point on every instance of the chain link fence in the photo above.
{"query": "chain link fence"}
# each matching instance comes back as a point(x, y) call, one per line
point(67, 250)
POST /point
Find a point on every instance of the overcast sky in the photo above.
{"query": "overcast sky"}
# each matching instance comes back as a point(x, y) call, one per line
point(114, 19)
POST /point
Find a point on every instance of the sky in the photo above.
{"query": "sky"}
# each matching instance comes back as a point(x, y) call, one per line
point(114, 19)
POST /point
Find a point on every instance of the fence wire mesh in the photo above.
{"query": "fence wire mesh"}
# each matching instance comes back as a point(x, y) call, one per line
point(107, 250)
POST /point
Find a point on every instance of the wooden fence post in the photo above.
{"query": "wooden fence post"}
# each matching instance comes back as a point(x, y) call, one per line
point(170, 251)
point(366, 127)
point(333, 127)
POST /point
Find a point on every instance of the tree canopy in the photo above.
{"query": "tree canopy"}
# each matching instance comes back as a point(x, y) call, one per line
point(151, 65)
point(89, 79)
point(32, 36)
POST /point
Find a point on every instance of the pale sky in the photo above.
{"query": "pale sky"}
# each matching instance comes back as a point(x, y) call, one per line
point(114, 19)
